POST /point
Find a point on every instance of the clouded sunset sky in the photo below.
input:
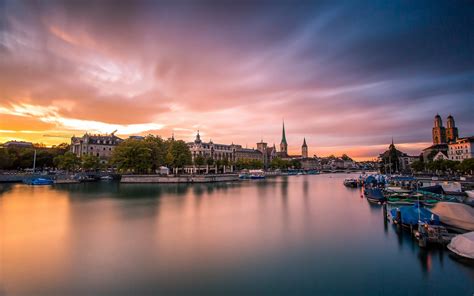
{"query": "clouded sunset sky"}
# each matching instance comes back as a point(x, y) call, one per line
point(347, 75)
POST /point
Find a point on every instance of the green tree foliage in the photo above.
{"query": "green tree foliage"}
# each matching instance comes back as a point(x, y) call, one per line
point(90, 162)
point(22, 158)
point(147, 155)
point(467, 166)
point(178, 154)
point(199, 160)
point(345, 157)
point(278, 163)
point(248, 164)
point(132, 155)
point(68, 161)
point(418, 166)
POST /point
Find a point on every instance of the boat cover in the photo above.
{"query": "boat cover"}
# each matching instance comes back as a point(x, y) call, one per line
point(463, 245)
point(455, 214)
point(410, 215)
point(438, 189)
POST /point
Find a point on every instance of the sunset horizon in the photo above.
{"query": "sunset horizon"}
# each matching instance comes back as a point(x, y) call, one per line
point(348, 78)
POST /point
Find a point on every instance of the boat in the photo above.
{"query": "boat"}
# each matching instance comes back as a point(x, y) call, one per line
point(463, 245)
point(457, 215)
point(39, 181)
point(257, 174)
point(432, 234)
point(244, 176)
point(350, 182)
point(374, 195)
point(411, 215)
point(66, 181)
point(106, 178)
point(470, 193)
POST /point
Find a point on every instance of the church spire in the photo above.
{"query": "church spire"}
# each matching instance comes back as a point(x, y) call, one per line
point(283, 144)
point(283, 134)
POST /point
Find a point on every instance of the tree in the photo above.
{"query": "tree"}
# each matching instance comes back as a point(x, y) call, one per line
point(132, 155)
point(6, 159)
point(345, 157)
point(90, 162)
point(467, 166)
point(158, 150)
point(418, 166)
point(178, 154)
point(199, 160)
point(68, 161)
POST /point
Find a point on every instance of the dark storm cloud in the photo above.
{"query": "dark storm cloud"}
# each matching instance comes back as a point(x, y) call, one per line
point(384, 67)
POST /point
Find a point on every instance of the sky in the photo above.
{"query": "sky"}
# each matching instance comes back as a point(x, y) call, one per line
point(346, 75)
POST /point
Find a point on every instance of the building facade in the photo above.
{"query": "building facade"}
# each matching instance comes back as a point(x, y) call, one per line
point(441, 137)
point(461, 149)
point(101, 146)
point(211, 150)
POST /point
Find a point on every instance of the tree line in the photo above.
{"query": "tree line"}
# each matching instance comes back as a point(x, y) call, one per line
point(444, 166)
point(21, 158)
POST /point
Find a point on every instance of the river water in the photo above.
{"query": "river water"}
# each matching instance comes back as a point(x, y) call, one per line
point(286, 235)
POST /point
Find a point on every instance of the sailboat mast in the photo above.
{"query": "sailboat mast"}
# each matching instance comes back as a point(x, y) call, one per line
point(34, 162)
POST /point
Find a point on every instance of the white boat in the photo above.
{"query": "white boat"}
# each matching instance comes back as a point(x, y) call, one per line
point(470, 193)
point(454, 214)
point(257, 174)
point(463, 245)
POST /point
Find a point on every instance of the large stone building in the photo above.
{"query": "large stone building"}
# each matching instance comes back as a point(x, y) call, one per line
point(461, 149)
point(441, 137)
point(232, 152)
point(98, 145)
point(394, 160)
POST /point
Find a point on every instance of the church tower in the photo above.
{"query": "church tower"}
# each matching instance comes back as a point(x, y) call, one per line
point(304, 149)
point(451, 131)
point(439, 132)
point(283, 144)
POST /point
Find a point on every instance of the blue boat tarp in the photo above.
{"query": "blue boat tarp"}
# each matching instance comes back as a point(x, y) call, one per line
point(411, 214)
point(374, 194)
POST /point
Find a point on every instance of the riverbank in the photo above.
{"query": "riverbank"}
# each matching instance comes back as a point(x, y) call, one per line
point(179, 179)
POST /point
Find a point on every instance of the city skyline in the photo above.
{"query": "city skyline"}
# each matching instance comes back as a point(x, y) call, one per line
point(346, 76)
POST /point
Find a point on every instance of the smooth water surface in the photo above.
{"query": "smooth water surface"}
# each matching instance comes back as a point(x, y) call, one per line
point(286, 235)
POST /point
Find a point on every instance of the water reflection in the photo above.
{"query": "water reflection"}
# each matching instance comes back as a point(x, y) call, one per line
point(297, 234)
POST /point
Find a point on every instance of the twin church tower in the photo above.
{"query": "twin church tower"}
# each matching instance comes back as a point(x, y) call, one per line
point(442, 135)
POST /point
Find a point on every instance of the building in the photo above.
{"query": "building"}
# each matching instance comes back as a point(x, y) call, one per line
point(394, 160)
point(211, 150)
point(461, 149)
point(247, 153)
point(304, 149)
point(440, 156)
point(442, 137)
point(18, 144)
point(283, 144)
point(101, 146)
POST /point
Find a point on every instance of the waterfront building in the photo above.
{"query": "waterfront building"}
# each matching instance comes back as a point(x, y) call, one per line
point(95, 144)
point(442, 137)
point(440, 156)
point(461, 149)
point(394, 160)
point(211, 150)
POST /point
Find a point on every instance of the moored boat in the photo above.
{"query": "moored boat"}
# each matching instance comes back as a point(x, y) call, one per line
point(463, 245)
point(350, 182)
point(39, 181)
point(412, 215)
point(257, 174)
point(457, 215)
point(374, 195)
